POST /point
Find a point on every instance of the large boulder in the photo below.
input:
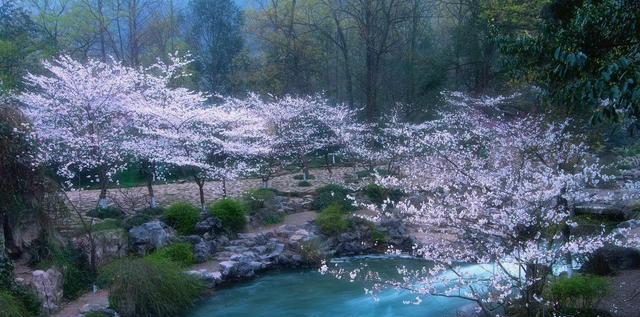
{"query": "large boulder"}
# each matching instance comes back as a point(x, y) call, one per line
point(48, 287)
point(110, 245)
point(210, 225)
point(149, 236)
point(610, 259)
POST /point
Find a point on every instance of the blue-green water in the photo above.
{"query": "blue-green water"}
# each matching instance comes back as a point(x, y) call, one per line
point(309, 293)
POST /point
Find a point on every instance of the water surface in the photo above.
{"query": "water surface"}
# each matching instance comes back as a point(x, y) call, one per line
point(309, 293)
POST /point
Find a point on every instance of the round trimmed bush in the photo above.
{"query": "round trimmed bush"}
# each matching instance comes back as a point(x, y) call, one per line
point(144, 287)
point(378, 194)
point(332, 220)
point(109, 212)
point(179, 253)
point(255, 199)
point(332, 194)
point(304, 184)
point(231, 213)
point(183, 217)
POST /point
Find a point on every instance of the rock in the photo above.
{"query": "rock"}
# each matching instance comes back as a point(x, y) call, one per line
point(149, 236)
point(603, 209)
point(629, 224)
point(103, 310)
point(92, 307)
point(610, 259)
point(201, 251)
point(210, 225)
point(213, 278)
point(21, 231)
point(48, 287)
point(228, 267)
point(110, 245)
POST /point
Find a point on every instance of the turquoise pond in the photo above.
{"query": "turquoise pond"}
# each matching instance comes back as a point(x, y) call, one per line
point(309, 293)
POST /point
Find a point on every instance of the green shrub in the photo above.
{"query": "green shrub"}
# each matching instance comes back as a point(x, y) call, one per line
point(255, 199)
point(331, 194)
point(109, 212)
point(274, 218)
point(152, 211)
point(378, 194)
point(304, 184)
point(231, 213)
point(578, 292)
point(332, 220)
point(144, 287)
point(136, 220)
point(11, 306)
point(301, 177)
point(74, 265)
point(108, 224)
point(179, 253)
point(183, 217)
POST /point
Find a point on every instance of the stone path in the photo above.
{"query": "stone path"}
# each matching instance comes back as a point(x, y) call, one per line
point(136, 197)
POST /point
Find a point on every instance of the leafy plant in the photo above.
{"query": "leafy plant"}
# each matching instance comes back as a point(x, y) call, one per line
point(255, 199)
point(109, 212)
point(378, 194)
point(331, 194)
point(10, 306)
point(179, 253)
point(332, 220)
point(107, 224)
point(136, 220)
point(580, 291)
point(231, 213)
point(301, 177)
point(144, 287)
point(182, 216)
point(304, 184)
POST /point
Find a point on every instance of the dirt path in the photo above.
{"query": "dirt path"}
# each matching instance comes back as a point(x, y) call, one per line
point(72, 309)
point(624, 295)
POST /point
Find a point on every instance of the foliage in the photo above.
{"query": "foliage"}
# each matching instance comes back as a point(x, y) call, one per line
point(274, 218)
point(75, 269)
point(136, 220)
point(304, 184)
point(10, 306)
point(143, 287)
point(586, 54)
point(107, 224)
point(378, 194)
point(580, 291)
point(231, 213)
point(255, 199)
point(179, 253)
point(331, 194)
point(332, 220)
point(104, 213)
point(182, 216)
point(301, 177)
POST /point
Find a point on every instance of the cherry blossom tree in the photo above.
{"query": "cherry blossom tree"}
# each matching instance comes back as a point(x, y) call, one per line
point(494, 191)
point(80, 115)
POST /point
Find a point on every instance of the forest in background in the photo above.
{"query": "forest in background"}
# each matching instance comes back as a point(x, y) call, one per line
point(373, 54)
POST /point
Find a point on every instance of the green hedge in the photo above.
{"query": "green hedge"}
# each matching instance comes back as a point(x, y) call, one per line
point(332, 194)
point(578, 292)
point(144, 287)
point(378, 194)
point(333, 220)
point(179, 253)
point(231, 213)
point(183, 217)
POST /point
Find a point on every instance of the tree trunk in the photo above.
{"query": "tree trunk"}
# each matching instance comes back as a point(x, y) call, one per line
point(224, 188)
point(200, 183)
point(328, 164)
point(305, 167)
point(150, 178)
point(265, 182)
point(102, 198)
